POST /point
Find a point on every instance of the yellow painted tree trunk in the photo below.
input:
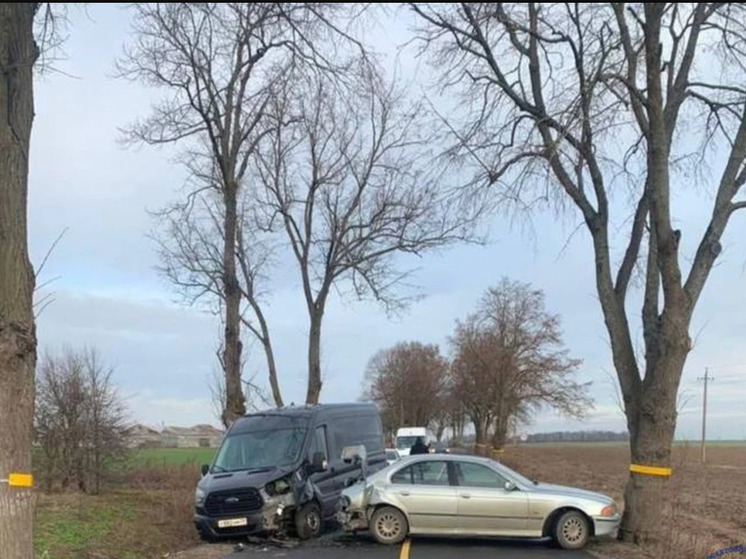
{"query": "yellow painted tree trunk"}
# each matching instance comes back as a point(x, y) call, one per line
point(18, 53)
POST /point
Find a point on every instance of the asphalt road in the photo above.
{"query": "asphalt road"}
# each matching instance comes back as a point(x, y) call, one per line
point(336, 546)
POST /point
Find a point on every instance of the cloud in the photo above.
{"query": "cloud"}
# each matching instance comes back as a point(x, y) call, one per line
point(149, 343)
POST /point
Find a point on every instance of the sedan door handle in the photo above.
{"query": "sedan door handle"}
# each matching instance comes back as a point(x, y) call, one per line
point(404, 493)
point(465, 496)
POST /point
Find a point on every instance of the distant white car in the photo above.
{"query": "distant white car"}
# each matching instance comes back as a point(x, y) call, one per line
point(392, 455)
point(406, 437)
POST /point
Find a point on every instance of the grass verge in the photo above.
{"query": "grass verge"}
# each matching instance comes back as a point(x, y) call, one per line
point(147, 515)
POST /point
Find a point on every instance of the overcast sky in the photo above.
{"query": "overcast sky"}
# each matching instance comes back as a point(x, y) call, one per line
point(107, 294)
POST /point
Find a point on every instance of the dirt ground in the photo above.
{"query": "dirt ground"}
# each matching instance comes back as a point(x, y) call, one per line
point(705, 504)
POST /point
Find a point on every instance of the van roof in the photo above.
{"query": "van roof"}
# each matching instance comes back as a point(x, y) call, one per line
point(308, 410)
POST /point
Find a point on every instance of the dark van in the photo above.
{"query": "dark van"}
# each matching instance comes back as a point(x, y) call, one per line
point(282, 470)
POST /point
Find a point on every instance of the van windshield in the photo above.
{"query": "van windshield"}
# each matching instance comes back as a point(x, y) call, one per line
point(406, 442)
point(262, 442)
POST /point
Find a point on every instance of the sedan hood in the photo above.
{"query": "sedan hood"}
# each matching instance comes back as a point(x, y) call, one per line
point(550, 489)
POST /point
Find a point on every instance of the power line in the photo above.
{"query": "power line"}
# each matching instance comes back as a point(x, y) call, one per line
point(706, 379)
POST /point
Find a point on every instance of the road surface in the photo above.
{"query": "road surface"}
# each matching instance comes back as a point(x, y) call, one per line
point(336, 546)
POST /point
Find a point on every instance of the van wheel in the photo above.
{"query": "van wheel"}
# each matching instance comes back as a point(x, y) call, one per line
point(308, 521)
point(389, 525)
point(572, 530)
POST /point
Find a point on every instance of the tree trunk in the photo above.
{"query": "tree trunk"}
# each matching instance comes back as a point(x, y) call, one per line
point(269, 353)
point(500, 434)
point(272, 368)
point(314, 358)
point(480, 429)
point(652, 424)
point(235, 402)
point(460, 427)
point(18, 53)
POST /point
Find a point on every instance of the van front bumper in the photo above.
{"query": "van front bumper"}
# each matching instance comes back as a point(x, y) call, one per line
point(270, 519)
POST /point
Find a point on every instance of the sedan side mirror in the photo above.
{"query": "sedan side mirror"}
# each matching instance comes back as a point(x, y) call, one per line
point(510, 486)
point(318, 463)
point(205, 469)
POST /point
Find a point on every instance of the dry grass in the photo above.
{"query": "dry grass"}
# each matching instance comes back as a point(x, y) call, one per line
point(704, 505)
point(148, 515)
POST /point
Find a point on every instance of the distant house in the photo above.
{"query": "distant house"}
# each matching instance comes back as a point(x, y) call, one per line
point(205, 436)
point(142, 436)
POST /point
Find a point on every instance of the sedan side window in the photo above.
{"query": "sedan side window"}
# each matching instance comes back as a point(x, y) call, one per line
point(477, 475)
point(423, 473)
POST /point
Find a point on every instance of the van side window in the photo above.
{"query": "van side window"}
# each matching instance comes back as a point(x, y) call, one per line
point(319, 442)
point(363, 429)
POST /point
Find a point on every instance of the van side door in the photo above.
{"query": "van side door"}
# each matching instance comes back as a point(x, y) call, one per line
point(326, 482)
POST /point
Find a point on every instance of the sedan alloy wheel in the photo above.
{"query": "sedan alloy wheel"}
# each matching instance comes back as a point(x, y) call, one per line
point(572, 530)
point(389, 525)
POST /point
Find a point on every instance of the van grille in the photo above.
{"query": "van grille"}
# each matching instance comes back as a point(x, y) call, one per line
point(227, 503)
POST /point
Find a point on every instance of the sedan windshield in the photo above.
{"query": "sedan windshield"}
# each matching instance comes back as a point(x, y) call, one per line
point(260, 449)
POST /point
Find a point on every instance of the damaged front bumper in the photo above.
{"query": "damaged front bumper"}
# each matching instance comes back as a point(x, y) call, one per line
point(351, 520)
point(272, 518)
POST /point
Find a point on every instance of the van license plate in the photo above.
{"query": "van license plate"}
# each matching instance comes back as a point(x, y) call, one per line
point(232, 522)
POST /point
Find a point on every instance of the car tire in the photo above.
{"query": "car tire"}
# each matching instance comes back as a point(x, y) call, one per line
point(308, 521)
point(572, 530)
point(389, 526)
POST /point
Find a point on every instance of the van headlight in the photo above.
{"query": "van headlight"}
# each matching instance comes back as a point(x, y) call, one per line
point(278, 487)
point(199, 496)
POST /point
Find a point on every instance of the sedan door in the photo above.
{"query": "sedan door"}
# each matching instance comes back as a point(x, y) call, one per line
point(425, 493)
point(484, 505)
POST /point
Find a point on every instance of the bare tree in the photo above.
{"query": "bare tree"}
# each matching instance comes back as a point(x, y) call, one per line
point(409, 384)
point(79, 421)
point(444, 414)
point(590, 99)
point(216, 60)
point(191, 239)
point(18, 53)
point(510, 361)
point(343, 176)
point(219, 63)
point(106, 416)
point(60, 420)
point(256, 398)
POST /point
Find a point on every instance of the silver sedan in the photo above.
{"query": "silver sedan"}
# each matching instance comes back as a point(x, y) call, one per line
point(471, 496)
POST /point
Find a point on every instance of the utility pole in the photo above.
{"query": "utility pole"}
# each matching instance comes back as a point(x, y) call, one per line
point(706, 379)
